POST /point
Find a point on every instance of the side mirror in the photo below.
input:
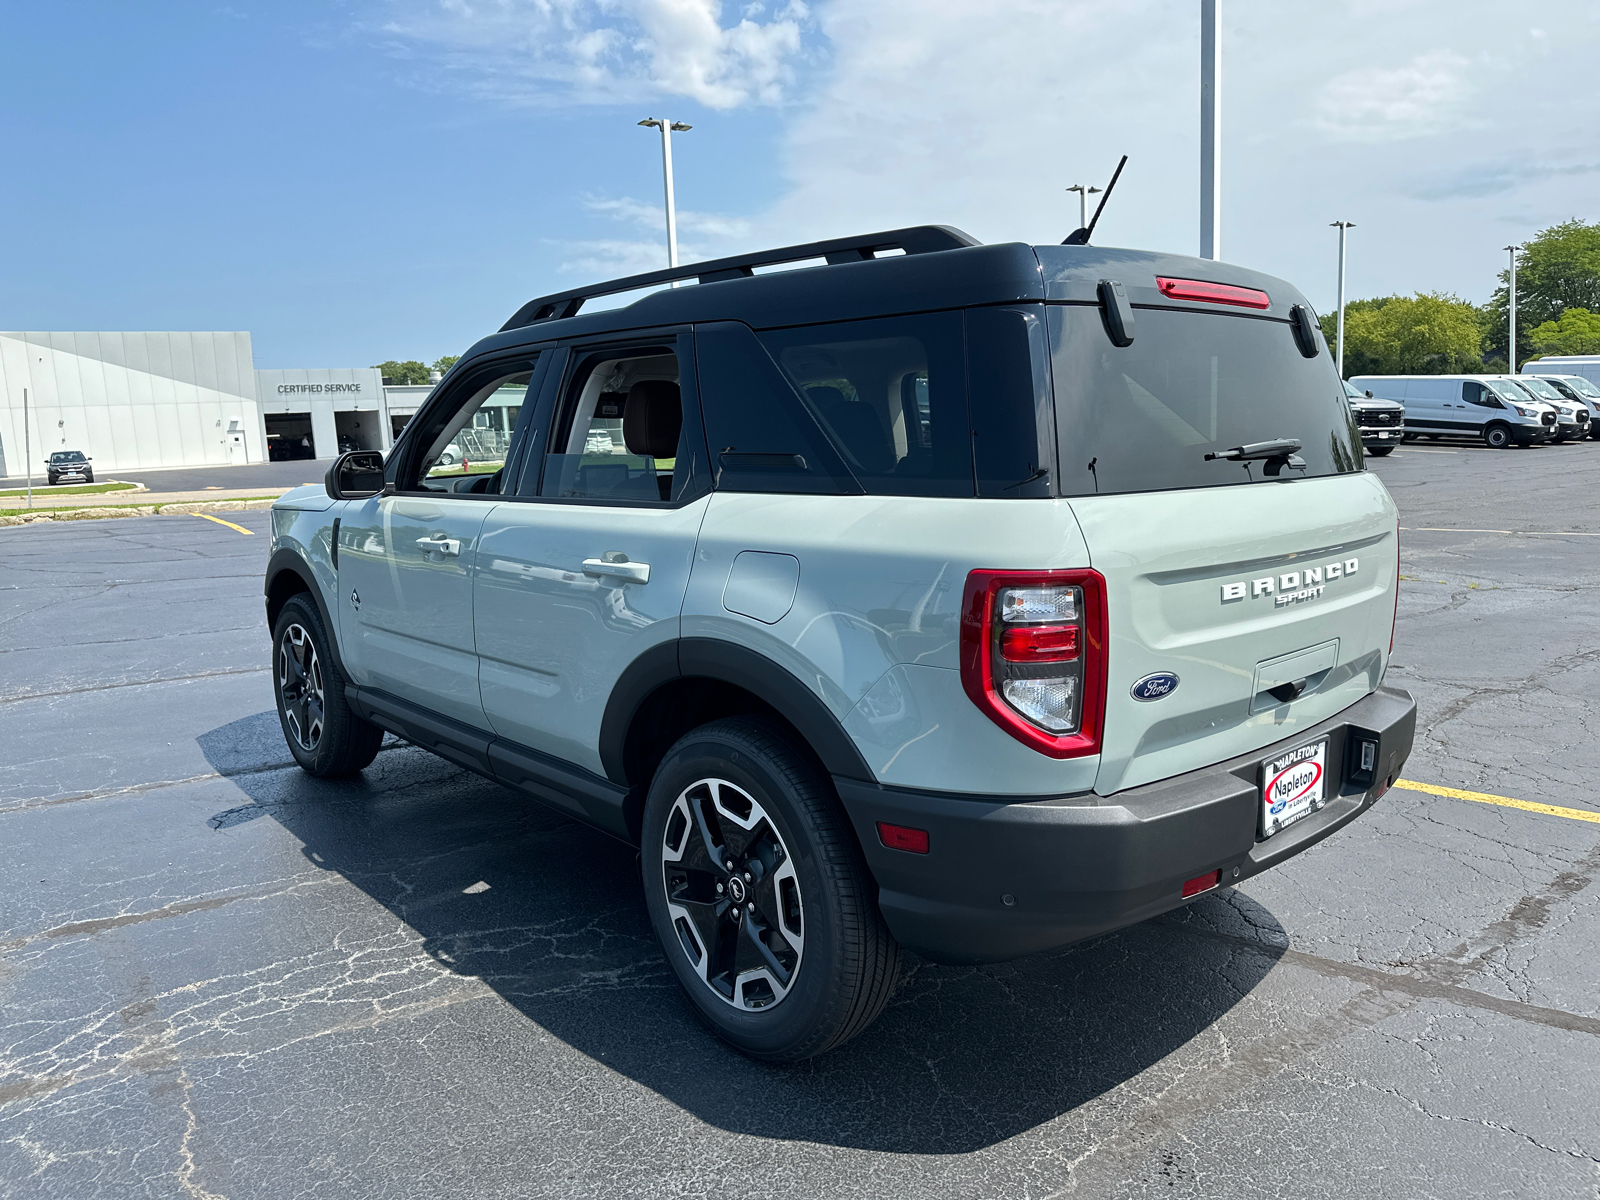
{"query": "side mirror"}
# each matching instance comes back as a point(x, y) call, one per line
point(1369, 393)
point(355, 475)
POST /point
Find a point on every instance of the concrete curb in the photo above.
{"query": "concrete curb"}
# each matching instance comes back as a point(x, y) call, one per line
point(140, 510)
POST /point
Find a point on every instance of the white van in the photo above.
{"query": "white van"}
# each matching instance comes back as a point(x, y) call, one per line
point(1479, 406)
point(1585, 366)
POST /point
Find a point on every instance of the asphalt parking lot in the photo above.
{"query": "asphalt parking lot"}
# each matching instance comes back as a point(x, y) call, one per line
point(221, 978)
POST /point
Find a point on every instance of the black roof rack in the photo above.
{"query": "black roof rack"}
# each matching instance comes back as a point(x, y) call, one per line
point(918, 239)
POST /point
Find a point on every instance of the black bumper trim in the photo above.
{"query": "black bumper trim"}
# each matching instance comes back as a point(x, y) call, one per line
point(1078, 866)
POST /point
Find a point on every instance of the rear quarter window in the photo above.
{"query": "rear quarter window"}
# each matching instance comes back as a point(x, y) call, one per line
point(1143, 417)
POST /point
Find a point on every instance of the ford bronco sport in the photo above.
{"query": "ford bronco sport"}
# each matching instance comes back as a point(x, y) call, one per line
point(972, 599)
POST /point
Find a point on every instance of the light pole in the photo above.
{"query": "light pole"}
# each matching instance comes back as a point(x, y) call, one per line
point(1511, 342)
point(27, 445)
point(1083, 202)
point(1210, 132)
point(668, 128)
point(1342, 226)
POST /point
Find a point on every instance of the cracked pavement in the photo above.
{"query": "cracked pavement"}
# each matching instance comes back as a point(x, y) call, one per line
point(220, 978)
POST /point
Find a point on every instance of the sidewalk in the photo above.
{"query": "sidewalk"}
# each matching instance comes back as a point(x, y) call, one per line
point(42, 497)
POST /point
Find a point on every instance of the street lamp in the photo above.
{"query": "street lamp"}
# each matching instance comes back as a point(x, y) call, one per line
point(1511, 342)
point(1210, 132)
point(1083, 202)
point(1342, 226)
point(668, 128)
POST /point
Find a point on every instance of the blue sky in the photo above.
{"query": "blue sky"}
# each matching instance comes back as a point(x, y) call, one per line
point(381, 179)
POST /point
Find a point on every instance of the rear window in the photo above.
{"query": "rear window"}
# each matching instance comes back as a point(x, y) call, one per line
point(1143, 417)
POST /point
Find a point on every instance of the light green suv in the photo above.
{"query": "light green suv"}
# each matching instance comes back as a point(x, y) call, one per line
point(969, 599)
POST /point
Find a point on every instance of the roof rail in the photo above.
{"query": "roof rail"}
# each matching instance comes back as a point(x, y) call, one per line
point(918, 239)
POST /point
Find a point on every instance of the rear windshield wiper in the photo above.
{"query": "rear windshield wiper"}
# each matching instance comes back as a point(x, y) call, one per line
point(1278, 453)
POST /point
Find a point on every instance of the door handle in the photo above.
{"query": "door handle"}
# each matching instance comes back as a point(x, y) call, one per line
point(440, 545)
point(616, 566)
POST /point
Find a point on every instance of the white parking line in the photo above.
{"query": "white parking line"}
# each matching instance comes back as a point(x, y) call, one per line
point(1421, 451)
point(1508, 532)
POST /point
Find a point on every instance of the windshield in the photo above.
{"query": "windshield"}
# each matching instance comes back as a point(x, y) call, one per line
point(1508, 389)
point(65, 456)
point(1353, 391)
point(1143, 417)
point(1583, 387)
point(1540, 388)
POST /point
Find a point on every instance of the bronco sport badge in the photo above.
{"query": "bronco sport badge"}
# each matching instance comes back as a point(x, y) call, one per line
point(1292, 587)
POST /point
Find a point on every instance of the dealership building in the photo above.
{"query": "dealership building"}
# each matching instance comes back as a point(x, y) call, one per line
point(131, 400)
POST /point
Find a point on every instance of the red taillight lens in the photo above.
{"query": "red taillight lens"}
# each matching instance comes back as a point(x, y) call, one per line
point(1212, 293)
point(903, 837)
point(1039, 643)
point(1033, 656)
point(1201, 883)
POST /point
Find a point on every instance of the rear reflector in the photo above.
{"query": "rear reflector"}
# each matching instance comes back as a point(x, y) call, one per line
point(1200, 883)
point(903, 837)
point(1212, 293)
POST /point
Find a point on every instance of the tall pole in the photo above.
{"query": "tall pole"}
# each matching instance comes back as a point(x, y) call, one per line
point(1343, 225)
point(1210, 132)
point(667, 129)
point(27, 445)
point(1511, 342)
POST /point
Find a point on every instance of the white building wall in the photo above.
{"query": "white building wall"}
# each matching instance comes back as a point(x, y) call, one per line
point(130, 399)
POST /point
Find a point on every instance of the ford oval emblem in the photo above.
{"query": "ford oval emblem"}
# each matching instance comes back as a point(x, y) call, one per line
point(1155, 687)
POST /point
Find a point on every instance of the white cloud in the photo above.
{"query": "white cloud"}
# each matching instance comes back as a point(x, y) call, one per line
point(604, 51)
point(1425, 96)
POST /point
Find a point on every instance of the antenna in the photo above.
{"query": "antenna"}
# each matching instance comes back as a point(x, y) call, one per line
point(1081, 237)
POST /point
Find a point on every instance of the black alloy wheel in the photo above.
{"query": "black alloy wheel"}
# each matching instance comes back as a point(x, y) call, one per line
point(759, 894)
point(325, 736)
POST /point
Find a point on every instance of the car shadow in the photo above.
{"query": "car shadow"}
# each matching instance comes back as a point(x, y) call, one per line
point(551, 916)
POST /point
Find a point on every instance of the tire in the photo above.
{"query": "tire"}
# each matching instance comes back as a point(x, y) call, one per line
point(326, 738)
point(1497, 437)
point(1379, 451)
point(89, 478)
point(811, 963)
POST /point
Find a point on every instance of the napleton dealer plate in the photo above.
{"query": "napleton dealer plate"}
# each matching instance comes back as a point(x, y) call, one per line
point(1293, 785)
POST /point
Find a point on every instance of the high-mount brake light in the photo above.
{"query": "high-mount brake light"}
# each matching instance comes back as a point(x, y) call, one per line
point(1033, 656)
point(1212, 293)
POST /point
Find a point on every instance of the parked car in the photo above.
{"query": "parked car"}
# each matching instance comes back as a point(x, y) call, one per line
point(1478, 406)
point(1572, 416)
point(1575, 387)
point(996, 597)
point(68, 466)
point(1382, 422)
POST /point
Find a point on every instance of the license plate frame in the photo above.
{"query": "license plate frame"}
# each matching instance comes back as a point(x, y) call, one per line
point(1294, 785)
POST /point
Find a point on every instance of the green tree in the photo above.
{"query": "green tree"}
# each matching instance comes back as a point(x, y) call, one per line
point(1575, 331)
point(1358, 359)
point(444, 364)
point(1557, 270)
point(409, 371)
point(1430, 333)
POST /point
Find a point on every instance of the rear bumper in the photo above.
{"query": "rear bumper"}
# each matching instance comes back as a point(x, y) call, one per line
point(1077, 866)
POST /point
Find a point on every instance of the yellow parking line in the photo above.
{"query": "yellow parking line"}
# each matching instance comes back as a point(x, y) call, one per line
point(1549, 810)
point(229, 524)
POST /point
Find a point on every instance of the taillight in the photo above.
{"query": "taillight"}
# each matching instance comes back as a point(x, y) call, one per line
point(1212, 293)
point(1033, 656)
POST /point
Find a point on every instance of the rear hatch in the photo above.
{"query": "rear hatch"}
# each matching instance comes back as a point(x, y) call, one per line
point(1264, 583)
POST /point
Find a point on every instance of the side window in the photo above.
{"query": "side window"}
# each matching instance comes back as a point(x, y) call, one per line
point(760, 435)
point(891, 394)
point(1013, 412)
point(623, 432)
point(463, 444)
point(1472, 392)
